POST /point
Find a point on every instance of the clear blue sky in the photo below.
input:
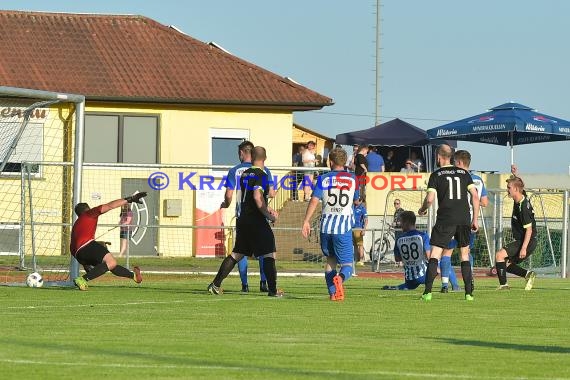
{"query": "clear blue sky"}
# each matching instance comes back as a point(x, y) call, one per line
point(441, 60)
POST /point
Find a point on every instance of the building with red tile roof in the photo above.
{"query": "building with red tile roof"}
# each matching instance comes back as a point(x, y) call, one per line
point(154, 95)
point(129, 58)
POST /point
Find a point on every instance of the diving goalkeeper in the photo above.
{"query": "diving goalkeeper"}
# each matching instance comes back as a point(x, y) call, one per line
point(88, 252)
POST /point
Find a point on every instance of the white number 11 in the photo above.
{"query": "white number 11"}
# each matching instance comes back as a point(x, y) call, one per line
point(457, 185)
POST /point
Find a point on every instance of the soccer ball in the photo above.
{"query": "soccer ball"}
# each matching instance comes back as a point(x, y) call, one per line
point(35, 280)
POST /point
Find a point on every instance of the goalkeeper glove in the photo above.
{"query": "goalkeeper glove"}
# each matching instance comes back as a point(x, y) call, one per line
point(136, 198)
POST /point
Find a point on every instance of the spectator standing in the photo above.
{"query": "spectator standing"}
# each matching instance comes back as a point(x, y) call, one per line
point(359, 226)
point(351, 158)
point(417, 163)
point(297, 176)
point(309, 161)
point(375, 161)
point(361, 169)
point(389, 164)
point(126, 218)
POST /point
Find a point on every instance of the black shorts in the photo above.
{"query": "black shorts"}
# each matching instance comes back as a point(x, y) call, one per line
point(441, 235)
point(254, 238)
point(513, 249)
point(92, 254)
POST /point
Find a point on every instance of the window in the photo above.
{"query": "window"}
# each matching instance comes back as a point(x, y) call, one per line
point(224, 150)
point(224, 147)
point(128, 139)
point(30, 146)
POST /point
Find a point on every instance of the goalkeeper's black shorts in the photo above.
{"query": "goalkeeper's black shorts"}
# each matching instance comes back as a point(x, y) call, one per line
point(91, 254)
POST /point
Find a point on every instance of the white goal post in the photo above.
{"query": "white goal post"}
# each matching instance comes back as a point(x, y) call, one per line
point(41, 156)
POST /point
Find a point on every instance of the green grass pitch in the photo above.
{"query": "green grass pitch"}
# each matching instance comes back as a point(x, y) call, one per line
point(169, 328)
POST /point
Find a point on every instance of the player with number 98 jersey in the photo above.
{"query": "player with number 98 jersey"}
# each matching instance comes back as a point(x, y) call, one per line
point(411, 249)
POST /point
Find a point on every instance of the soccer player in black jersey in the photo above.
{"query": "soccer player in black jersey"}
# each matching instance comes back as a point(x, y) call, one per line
point(523, 226)
point(453, 186)
point(254, 235)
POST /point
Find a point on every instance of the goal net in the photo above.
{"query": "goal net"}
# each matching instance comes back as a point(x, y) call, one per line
point(36, 183)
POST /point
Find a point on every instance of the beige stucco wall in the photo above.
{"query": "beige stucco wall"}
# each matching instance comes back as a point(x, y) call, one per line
point(185, 139)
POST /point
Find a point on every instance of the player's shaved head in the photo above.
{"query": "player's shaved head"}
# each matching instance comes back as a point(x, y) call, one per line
point(258, 154)
point(444, 151)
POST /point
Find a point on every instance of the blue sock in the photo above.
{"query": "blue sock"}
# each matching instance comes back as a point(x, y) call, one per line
point(261, 272)
point(346, 272)
point(445, 268)
point(242, 268)
point(453, 277)
point(329, 279)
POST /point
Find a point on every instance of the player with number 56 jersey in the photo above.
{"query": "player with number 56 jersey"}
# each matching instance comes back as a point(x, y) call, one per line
point(337, 190)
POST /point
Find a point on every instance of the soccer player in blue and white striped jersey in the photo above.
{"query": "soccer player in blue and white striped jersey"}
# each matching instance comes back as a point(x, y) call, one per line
point(337, 190)
point(413, 249)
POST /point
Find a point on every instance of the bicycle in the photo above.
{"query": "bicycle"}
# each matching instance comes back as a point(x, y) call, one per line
point(382, 245)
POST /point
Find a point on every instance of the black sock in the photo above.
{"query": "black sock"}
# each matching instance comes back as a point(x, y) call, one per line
point(501, 272)
point(431, 274)
point(98, 270)
point(467, 276)
point(516, 270)
point(270, 273)
point(121, 271)
point(225, 268)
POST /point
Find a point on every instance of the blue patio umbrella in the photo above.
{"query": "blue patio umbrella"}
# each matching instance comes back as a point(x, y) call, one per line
point(508, 124)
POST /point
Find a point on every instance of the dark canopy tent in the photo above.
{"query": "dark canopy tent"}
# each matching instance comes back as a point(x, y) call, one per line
point(395, 133)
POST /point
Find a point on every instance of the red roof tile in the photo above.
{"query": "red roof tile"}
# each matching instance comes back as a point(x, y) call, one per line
point(134, 58)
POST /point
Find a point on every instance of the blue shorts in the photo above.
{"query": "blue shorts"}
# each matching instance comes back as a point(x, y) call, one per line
point(338, 246)
point(412, 284)
point(453, 242)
